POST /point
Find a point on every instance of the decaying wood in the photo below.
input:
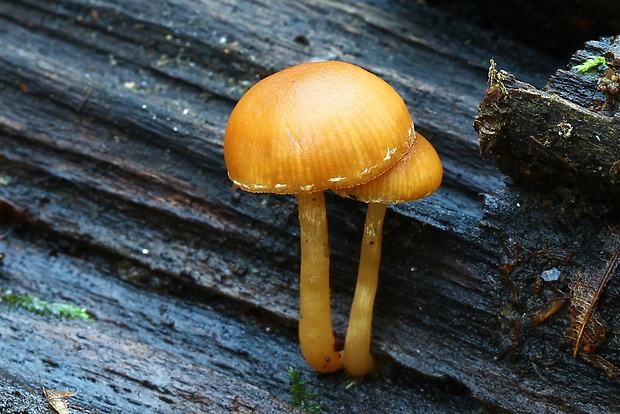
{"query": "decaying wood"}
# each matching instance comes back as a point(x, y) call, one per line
point(567, 134)
point(561, 143)
point(115, 197)
point(58, 400)
point(586, 331)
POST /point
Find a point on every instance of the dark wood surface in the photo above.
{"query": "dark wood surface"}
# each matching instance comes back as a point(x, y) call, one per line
point(564, 135)
point(115, 197)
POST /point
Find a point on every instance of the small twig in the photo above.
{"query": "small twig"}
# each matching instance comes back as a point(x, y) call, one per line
point(351, 384)
point(610, 271)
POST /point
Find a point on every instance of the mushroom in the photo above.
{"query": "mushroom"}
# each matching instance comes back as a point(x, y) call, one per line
point(416, 175)
point(309, 128)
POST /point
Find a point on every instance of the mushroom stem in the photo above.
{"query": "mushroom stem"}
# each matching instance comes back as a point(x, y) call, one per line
point(357, 359)
point(316, 335)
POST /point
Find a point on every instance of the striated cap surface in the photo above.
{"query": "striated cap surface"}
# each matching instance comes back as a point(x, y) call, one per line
point(416, 175)
point(313, 127)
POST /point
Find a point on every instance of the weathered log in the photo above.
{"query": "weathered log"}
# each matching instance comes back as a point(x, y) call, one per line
point(560, 147)
point(111, 166)
point(566, 135)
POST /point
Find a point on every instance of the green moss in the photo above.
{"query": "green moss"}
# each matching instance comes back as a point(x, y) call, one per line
point(590, 64)
point(37, 305)
point(301, 396)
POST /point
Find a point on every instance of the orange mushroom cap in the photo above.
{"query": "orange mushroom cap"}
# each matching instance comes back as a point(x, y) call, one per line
point(313, 127)
point(416, 175)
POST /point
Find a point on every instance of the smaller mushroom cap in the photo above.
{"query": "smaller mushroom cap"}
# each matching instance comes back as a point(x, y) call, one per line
point(416, 175)
point(313, 127)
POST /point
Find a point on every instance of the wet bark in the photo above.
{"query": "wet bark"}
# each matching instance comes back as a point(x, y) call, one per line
point(115, 197)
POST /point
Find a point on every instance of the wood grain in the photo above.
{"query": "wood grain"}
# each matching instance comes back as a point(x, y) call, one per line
point(111, 131)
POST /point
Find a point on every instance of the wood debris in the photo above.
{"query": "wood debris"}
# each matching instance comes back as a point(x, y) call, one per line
point(586, 331)
point(57, 400)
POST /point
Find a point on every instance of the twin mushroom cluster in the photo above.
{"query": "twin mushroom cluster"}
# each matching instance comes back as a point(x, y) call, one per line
point(331, 126)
